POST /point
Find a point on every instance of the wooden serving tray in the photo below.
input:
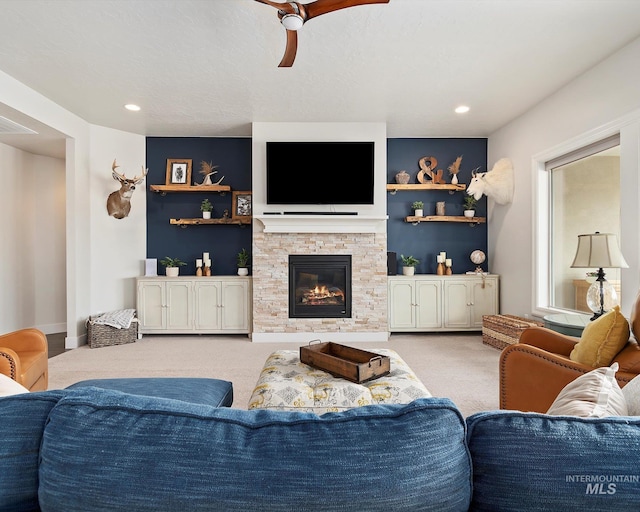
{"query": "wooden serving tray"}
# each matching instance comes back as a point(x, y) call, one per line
point(345, 362)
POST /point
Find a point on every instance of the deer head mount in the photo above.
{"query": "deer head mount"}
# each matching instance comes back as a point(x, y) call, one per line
point(119, 201)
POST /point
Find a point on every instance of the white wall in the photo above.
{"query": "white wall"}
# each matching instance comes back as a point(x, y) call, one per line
point(118, 246)
point(32, 244)
point(90, 286)
point(600, 102)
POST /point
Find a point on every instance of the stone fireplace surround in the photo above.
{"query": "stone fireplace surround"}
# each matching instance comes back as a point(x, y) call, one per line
point(363, 236)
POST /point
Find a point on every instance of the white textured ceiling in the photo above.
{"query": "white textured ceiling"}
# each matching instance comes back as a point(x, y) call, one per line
point(210, 67)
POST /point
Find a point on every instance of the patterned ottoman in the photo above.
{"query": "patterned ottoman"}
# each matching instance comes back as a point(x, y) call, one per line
point(286, 384)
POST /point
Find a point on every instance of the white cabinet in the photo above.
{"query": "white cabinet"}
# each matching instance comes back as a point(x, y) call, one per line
point(185, 305)
point(466, 300)
point(441, 303)
point(414, 304)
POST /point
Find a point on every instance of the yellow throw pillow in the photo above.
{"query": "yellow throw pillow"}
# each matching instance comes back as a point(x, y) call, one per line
point(602, 339)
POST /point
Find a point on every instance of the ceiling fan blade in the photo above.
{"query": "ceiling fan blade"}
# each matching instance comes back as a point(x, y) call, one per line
point(324, 6)
point(290, 50)
point(277, 5)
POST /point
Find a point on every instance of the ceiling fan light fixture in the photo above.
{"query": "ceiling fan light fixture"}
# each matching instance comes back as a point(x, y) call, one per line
point(292, 21)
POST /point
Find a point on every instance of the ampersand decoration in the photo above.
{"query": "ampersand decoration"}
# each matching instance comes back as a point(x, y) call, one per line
point(428, 170)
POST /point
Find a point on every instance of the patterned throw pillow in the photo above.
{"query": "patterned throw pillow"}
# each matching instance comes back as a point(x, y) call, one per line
point(602, 339)
point(593, 395)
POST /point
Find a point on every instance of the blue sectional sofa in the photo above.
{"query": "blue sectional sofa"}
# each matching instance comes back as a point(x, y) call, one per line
point(101, 449)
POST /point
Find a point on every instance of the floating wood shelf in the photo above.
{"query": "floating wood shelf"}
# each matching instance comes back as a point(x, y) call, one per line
point(181, 188)
point(446, 218)
point(199, 222)
point(452, 187)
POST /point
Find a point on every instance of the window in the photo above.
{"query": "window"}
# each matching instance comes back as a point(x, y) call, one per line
point(584, 197)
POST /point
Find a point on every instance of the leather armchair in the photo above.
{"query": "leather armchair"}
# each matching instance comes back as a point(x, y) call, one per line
point(534, 371)
point(24, 358)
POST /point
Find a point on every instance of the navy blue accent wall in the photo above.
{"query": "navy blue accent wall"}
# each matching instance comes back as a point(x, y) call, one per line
point(426, 240)
point(233, 158)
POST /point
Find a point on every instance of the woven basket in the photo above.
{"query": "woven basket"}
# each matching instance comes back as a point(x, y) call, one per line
point(499, 331)
point(100, 335)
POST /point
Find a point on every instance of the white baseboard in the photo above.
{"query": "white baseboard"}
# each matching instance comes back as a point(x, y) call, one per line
point(53, 328)
point(75, 342)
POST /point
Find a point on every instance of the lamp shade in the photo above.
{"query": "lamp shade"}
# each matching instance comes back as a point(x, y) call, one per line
point(598, 250)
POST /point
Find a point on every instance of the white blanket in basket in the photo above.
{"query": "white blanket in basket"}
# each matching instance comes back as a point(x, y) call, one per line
point(120, 319)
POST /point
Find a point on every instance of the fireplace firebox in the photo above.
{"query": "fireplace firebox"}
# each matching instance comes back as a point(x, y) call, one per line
point(320, 286)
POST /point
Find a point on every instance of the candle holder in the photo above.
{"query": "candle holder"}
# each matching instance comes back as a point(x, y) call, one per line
point(449, 269)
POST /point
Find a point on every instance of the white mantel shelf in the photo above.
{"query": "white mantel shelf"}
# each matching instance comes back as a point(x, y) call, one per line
point(322, 223)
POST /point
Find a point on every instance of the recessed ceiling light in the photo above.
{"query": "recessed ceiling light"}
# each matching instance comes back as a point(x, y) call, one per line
point(462, 109)
point(132, 107)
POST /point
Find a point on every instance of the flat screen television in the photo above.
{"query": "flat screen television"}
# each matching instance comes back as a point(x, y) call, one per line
point(333, 173)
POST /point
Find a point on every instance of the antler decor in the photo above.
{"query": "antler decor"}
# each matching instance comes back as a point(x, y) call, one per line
point(207, 169)
point(119, 201)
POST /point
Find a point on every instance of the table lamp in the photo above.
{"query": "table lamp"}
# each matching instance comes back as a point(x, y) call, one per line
point(599, 250)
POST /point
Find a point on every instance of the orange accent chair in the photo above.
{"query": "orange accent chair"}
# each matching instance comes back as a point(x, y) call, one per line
point(24, 358)
point(535, 370)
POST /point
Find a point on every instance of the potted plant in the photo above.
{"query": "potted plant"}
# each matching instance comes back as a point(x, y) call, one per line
point(242, 260)
point(409, 264)
point(206, 207)
point(470, 206)
point(418, 208)
point(172, 266)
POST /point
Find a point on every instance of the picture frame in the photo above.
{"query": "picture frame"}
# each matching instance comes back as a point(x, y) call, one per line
point(241, 205)
point(179, 172)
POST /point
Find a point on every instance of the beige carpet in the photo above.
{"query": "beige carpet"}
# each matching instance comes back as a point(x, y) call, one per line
point(459, 367)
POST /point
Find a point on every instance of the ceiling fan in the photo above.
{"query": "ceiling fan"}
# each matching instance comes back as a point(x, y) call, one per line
point(293, 15)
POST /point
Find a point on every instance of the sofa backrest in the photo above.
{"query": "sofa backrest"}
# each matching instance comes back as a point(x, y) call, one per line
point(529, 462)
point(22, 422)
point(105, 450)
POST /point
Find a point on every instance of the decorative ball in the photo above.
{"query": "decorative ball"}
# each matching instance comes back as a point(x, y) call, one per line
point(477, 257)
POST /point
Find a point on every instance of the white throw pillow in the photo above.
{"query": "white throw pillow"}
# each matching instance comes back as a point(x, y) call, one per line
point(631, 393)
point(9, 387)
point(593, 395)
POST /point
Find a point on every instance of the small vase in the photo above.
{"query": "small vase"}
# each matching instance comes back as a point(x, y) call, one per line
point(440, 208)
point(454, 179)
point(403, 177)
point(206, 215)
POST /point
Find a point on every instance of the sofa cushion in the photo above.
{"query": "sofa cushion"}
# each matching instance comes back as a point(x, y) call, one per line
point(602, 339)
point(22, 420)
point(215, 392)
point(105, 450)
point(593, 395)
point(530, 462)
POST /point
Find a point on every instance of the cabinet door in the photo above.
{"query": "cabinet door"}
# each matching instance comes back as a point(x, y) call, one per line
point(428, 306)
point(235, 305)
point(457, 305)
point(402, 309)
point(207, 306)
point(484, 297)
point(179, 305)
point(150, 305)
